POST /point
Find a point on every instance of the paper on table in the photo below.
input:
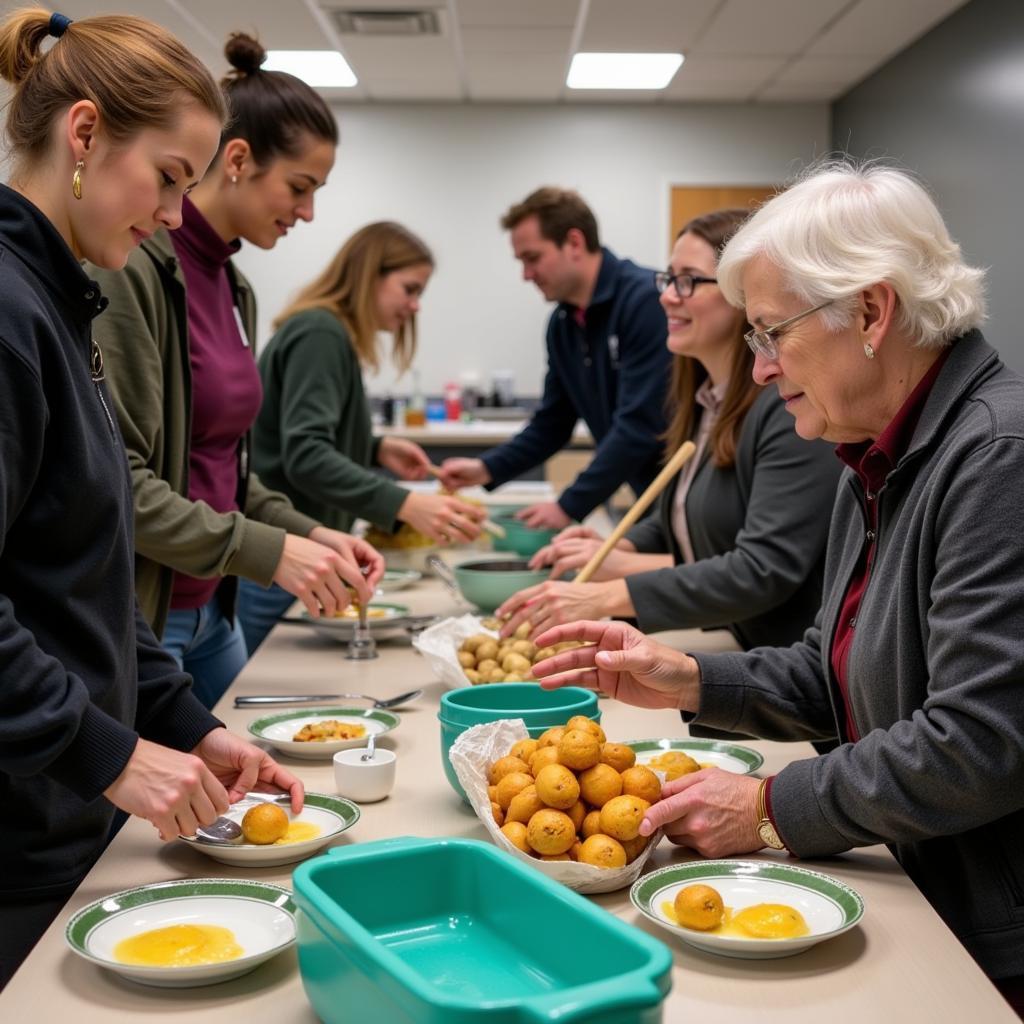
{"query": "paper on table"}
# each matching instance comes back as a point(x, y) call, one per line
point(440, 642)
point(480, 746)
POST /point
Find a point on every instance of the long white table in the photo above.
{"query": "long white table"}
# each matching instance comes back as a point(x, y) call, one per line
point(900, 964)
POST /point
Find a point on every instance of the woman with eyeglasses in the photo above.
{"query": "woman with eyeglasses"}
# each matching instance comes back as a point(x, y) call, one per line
point(313, 439)
point(737, 540)
point(866, 324)
point(107, 127)
point(178, 338)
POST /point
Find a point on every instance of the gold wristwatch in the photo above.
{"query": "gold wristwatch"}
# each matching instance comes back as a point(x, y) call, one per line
point(765, 829)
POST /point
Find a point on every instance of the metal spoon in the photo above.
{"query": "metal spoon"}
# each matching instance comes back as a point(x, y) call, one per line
point(447, 577)
point(370, 745)
point(326, 698)
point(225, 830)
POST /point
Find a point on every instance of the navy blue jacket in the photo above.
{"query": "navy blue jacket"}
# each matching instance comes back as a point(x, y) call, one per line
point(81, 675)
point(613, 375)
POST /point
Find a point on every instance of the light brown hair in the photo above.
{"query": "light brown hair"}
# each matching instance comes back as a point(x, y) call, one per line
point(133, 70)
point(348, 288)
point(716, 229)
point(557, 210)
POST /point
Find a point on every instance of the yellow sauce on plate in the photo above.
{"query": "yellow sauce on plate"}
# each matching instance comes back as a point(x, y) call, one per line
point(298, 832)
point(179, 945)
point(759, 921)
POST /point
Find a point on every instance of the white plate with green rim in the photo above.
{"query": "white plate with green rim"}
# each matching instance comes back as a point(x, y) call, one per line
point(261, 918)
point(332, 815)
point(730, 756)
point(398, 579)
point(383, 617)
point(828, 906)
point(279, 730)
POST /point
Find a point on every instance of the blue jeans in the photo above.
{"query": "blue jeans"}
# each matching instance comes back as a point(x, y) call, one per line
point(259, 609)
point(207, 646)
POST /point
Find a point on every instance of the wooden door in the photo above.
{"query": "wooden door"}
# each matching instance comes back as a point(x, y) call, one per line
point(689, 202)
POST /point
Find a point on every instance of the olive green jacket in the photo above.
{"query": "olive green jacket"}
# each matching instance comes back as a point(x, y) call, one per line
point(143, 335)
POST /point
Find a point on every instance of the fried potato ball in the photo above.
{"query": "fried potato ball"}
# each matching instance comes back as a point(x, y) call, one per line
point(524, 749)
point(466, 660)
point(642, 782)
point(577, 812)
point(618, 755)
point(509, 786)
point(544, 652)
point(472, 675)
point(699, 907)
point(488, 649)
point(264, 824)
point(591, 824)
point(555, 856)
point(603, 852)
point(524, 805)
point(551, 737)
point(523, 630)
point(621, 817)
point(542, 757)
point(492, 794)
point(515, 833)
point(579, 750)
point(486, 665)
point(557, 787)
point(527, 648)
point(497, 814)
point(505, 766)
point(550, 832)
point(513, 662)
point(600, 784)
point(587, 725)
point(634, 847)
point(471, 643)
point(495, 676)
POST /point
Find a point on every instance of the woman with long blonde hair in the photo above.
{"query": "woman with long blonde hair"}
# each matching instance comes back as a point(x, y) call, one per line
point(313, 439)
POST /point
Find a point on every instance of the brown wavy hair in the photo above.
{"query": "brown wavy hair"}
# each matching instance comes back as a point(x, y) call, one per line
point(716, 228)
point(133, 70)
point(347, 289)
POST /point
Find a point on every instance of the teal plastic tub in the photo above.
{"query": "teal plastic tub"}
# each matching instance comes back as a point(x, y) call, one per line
point(454, 931)
point(539, 709)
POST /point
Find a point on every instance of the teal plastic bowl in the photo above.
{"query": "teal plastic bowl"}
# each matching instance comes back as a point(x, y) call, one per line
point(520, 538)
point(539, 709)
point(489, 582)
point(455, 931)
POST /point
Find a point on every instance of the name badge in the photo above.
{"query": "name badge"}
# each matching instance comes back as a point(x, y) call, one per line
point(241, 326)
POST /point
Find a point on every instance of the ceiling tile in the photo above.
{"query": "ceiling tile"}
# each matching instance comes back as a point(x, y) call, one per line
point(511, 76)
point(757, 27)
point(732, 73)
point(645, 26)
point(517, 40)
point(857, 30)
point(278, 24)
point(531, 13)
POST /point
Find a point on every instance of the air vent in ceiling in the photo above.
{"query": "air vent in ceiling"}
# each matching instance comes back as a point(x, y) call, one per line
point(420, 22)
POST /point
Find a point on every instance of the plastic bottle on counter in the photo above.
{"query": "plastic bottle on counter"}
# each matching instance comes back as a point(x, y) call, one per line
point(452, 401)
point(416, 411)
point(470, 382)
point(398, 413)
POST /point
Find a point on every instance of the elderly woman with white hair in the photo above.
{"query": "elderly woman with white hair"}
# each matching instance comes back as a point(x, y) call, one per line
point(865, 318)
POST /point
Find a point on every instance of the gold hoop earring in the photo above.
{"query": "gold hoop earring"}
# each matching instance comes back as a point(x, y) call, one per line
point(869, 351)
point(76, 179)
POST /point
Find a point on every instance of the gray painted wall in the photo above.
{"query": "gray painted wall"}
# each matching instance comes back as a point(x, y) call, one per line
point(951, 108)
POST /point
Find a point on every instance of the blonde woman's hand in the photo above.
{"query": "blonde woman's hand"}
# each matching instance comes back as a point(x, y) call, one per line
point(174, 791)
point(556, 602)
point(317, 575)
point(406, 459)
point(442, 517)
point(623, 663)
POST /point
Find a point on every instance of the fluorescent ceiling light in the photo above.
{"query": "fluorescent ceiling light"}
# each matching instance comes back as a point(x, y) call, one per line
point(319, 68)
point(623, 70)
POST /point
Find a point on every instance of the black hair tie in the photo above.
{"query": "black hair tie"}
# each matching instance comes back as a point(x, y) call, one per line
point(59, 24)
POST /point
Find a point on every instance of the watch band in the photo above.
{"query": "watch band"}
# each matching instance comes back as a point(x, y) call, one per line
point(766, 830)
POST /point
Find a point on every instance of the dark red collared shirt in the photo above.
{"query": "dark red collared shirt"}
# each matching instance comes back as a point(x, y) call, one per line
point(872, 461)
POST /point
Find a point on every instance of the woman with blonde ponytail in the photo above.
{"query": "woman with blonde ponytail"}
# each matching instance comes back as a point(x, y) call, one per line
point(107, 130)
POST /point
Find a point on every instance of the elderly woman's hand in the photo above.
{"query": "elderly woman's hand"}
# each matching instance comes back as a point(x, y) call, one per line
point(555, 602)
point(711, 811)
point(623, 663)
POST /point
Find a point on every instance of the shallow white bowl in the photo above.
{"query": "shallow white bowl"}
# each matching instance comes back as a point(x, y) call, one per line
point(278, 729)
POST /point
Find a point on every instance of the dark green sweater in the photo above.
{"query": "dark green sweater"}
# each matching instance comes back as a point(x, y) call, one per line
point(313, 438)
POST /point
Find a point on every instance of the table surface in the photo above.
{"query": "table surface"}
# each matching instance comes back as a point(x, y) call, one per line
point(899, 964)
point(439, 433)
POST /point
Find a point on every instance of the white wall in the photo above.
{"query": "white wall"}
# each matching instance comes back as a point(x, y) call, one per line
point(449, 172)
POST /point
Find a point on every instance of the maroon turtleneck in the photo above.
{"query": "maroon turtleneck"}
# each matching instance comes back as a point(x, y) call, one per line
point(226, 391)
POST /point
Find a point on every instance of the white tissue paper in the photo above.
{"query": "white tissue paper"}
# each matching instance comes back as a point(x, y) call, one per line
point(439, 644)
point(472, 753)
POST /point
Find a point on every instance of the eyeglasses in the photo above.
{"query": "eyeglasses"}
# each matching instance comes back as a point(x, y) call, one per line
point(765, 342)
point(684, 283)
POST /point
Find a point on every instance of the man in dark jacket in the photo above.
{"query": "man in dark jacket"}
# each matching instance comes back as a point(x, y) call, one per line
point(607, 362)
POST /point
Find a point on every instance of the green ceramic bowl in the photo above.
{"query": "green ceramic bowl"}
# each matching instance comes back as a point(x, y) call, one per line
point(520, 538)
point(539, 709)
point(488, 582)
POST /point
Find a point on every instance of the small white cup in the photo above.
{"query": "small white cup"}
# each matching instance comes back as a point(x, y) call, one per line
point(364, 781)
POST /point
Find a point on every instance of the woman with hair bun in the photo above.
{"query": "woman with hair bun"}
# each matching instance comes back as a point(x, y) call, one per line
point(107, 131)
point(313, 438)
point(178, 338)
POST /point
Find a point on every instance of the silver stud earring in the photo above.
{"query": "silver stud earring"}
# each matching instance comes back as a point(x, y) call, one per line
point(869, 351)
point(234, 179)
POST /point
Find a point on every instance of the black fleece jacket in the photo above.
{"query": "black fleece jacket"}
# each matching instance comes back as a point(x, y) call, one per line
point(81, 675)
